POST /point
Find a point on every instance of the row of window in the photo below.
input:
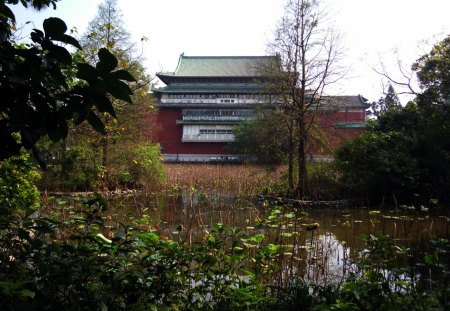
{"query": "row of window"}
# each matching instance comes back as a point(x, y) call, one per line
point(217, 112)
point(215, 131)
point(214, 96)
point(212, 80)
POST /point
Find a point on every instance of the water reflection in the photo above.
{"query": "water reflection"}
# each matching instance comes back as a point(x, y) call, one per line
point(321, 255)
point(329, 259)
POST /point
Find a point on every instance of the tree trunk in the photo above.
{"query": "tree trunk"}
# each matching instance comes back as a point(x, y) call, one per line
point(105, 160)
point(302, 182)
point(291, 151)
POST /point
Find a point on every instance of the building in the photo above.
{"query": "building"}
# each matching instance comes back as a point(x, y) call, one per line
point(206, 96)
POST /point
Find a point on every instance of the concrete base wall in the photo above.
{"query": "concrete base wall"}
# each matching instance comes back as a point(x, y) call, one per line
point(207, 158)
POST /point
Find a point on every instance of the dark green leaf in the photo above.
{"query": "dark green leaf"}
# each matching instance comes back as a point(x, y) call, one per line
point(59, 53)
point(39, 157)
point(119, 90)
point(56, 128)
point(430, 259)
point(122, 75)
point(26, 293)
point(96, 123)
point(107, 61)
point(79, 118)
point(87, 72)
point(10, 146)
point(4, 10)
point(68, 40)
point(29, 137)
point(37, 36)
point(54, 27)
point(103, 104)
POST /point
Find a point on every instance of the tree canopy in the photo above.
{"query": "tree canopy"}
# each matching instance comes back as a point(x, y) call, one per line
point(39, 93)
point(406, 153)
point(118, 156)
point(434, 75)
point(309, 52)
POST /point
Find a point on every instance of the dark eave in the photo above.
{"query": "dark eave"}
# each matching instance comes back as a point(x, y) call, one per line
point(203, 122)
point(205, 105)
point(169, 78)
point(213, 89)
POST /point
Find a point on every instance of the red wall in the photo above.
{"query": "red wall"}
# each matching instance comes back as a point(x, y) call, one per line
point(170, 135)
point(335, 135)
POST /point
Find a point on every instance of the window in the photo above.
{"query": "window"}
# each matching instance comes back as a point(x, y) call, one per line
point(215, 131)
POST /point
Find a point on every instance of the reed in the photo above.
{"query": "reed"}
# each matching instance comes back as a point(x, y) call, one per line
point(196, 197)
point(237, 179)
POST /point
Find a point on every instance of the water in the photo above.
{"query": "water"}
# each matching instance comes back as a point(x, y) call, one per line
point(319, 245)
point(326, 253)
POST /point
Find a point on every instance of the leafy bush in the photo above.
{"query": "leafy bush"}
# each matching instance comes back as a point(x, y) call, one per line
point(83, 263)
point(146, 165)
point(323, 181)
point(18, 193)
point(78, 265)
point(379, 163)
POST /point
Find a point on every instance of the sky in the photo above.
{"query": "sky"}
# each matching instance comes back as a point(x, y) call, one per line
point(374, 32)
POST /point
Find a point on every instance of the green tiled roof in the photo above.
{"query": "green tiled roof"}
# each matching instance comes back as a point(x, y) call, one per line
point(222, 66)
point(351, 124)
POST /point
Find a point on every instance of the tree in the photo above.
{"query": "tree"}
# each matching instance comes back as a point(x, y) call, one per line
point(265, 136)
point(39, 95)
point(127, 133)
point(407, 151)
point(433, 73)
point(389, 102)
point(380, 162)
point(88, 160)
point(309, 53)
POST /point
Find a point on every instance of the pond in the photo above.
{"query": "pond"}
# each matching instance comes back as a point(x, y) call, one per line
point(318, 245)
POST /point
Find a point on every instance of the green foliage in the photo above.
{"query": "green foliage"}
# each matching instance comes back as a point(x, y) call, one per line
point(147, 165)
point(79, 167)
point(39, 96)
point(86, 262)
point(434, 75)
point(323, 181)
point(387, 103)
point(109, 159)
point(137, 168)
point(405, 153)
point(264, 138)
point(407, 150)
point(78, 265)
point(18, 193)
point(379, 163)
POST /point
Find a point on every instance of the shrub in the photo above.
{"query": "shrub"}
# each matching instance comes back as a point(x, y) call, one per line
point(18, 193)
point(146, 165)
point(323, 181)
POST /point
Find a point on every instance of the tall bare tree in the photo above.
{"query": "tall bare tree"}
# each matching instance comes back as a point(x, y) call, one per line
point(310, 52)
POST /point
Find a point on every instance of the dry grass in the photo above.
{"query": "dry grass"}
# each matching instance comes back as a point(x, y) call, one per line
point(244, 179)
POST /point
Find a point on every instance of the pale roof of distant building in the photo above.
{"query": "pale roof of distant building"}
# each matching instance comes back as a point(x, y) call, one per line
point(222, 66)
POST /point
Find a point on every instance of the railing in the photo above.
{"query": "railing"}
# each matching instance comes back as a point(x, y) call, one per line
point(237, 101)
point(208, 138)
point(217, 118)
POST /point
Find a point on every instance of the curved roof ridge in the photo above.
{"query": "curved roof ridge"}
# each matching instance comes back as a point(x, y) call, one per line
point(227, 56)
